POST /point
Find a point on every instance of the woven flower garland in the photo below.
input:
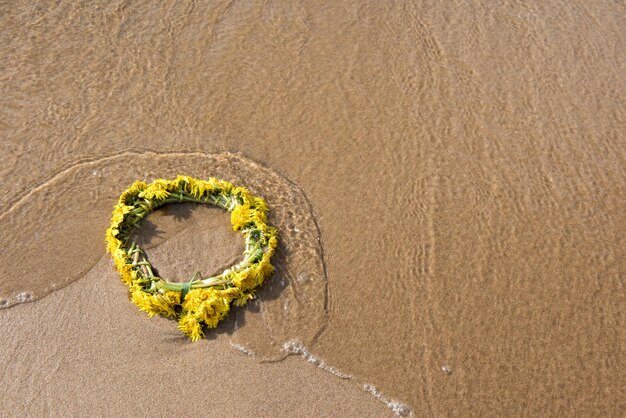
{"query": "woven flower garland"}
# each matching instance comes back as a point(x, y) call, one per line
point(197, 302)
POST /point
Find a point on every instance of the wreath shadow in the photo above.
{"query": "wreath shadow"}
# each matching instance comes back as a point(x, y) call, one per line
point(147, 230)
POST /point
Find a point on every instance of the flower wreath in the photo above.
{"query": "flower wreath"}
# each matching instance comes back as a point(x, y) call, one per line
point(198, 301)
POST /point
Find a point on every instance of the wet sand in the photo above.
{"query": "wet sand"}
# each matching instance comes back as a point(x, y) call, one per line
point(448, 183)
point(79, 352)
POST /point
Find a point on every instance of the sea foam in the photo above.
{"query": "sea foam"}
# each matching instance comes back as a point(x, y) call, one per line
point(398, 408)
point(297, 347)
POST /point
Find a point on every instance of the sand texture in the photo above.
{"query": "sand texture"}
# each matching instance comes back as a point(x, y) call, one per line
point(447, 179)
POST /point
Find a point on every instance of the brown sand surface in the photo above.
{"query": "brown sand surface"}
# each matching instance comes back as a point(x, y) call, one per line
point(447, 179)
point(76, 353)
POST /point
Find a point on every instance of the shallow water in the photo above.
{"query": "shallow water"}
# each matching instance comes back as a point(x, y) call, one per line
point(465, 164)
point(180, 238)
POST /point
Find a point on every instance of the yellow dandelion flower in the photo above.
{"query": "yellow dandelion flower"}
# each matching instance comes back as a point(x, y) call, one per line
point(128, 274)
point(184, 182)
point(212, 311)
point(121, 209)
point(154, 304)
point(262, 271)
point(197, 190)
point(240, 216)
point(111, 239)
point(200, 188)
point(259, 203)
point(132, 191)
point(155, 191)
point(257, 217)
point(225, 186)
point(229, 293)
point(245, 279)
point(143, 301)
point(120, 258)
point(243, 298)
point(164, 184)
point(191, 327)
point(241, 192)
point(161, 194)
point(162, 305)
point(118, 218)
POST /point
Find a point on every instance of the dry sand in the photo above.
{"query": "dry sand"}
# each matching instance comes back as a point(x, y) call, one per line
point(80, 353)
point(448, 182)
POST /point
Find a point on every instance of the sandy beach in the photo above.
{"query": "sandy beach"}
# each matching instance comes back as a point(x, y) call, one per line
point(447, 180)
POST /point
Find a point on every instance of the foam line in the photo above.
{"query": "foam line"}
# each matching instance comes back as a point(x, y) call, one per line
point(398, 408)
point(243, 349)
point(296, 347)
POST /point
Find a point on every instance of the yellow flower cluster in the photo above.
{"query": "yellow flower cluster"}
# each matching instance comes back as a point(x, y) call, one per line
point(197, 303)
